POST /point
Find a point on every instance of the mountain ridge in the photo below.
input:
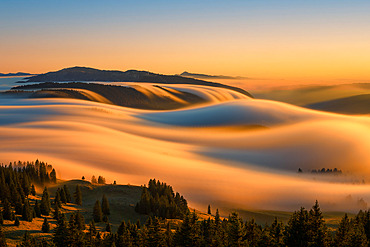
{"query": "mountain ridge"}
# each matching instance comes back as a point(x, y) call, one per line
point(79, 73)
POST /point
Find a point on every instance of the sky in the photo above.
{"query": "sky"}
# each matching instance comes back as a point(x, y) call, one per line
point(308, 40)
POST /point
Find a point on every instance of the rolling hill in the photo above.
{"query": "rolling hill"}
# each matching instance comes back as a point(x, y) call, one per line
point(91, 74)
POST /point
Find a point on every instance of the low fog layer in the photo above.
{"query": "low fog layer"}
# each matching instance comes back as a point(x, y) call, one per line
point(207, 152)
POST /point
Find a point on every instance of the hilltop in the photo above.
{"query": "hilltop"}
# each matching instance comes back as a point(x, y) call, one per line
point(91, 74)
point(15, 74)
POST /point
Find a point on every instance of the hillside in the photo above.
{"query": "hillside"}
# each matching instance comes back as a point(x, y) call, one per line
point(14, 74)
point(91, 74)
point(117, 95)
point(358, 104)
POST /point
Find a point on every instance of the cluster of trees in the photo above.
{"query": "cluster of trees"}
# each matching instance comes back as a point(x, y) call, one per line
point(17, 183)
point(101, 213)
point(334, 171)
point(159, 199)
point(327, 171)
point(304, 228)
point(100, 180)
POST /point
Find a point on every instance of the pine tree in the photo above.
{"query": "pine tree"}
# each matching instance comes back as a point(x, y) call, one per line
point(61, 234)
point(45, 203)
point(105, 206)
point(16, 221)
point(296, 232)
point(209, 209)
point(276, 233)
point(235, 230)
point(56, 212)
point(57, 200)
point(37, 209)
point(68, 195)
point(101, 180)
point(27, 212)
point(7, 210)
point(252, 232)
point(63, 197)
point(2, 238)
point(356, 235)
point(155, 237)
point(97, 213)
point(168, 235)
point(33, 190)
point(45, 226)
point(318, 235)
point(53, 176)
point(78, 196)
point(80, 221)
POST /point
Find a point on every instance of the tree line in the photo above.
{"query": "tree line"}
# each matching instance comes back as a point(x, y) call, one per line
point(304, 227)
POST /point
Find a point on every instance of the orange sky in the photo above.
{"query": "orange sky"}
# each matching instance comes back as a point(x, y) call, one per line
point(286, 41)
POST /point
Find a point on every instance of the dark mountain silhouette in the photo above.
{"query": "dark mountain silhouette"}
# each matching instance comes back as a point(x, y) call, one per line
point(358, 104)
point(205, 76)
point(15, 74)
point(91, 74)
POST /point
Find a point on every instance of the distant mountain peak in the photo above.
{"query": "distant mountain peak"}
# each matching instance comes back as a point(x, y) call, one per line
point(15, 74)
point(205, 76)
point(79, 73)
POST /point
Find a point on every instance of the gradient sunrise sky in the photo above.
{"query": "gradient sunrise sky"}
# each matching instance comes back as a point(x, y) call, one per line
point(258, 39)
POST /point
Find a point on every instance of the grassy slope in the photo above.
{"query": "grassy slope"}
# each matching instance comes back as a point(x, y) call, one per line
point(122, 199)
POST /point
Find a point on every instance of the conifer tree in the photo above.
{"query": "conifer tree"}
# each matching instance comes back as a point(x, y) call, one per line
point(26, 185)
point(318, 235)
point(252, 232)
point(209, 209)
point(7, 210)
point(68, 195)
point(56, 212)
point(235, 230)
point(45, 226)
point(105, 206)
point(296, 232)
point(53, 176)
point(60, 237)
point(33, 190)
point(168, 235)
point(2, 238)
point(356, 235)
point(97, 213)
point(63, 197)
point(80, 221)
point(16, 221)
point(276, 233)
point(155, 237)
point(45, 203)
point(27, 213)
point(18, 205)
point(78, 196)
point(57, 200)
point(37, 209)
